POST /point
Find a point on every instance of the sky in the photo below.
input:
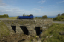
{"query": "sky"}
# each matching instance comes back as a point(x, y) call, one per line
point(35, 7)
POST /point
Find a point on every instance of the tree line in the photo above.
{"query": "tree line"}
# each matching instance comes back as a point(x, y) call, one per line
point(4, 16)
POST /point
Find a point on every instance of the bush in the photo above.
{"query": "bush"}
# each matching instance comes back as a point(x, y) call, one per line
point(59, 17)
point(45, 16)
point(62, 14)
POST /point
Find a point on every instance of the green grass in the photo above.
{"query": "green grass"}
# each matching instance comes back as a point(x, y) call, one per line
point(3, 30)
point(54, 30)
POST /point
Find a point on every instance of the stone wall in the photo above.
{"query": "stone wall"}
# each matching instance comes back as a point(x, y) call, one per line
point(28, 24)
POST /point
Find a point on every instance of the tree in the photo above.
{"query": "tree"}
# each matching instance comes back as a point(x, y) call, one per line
point(45, 16)
point(30, 14)
point(24, 14)
point(58, 15)
point(62, 14)
point(6, 15)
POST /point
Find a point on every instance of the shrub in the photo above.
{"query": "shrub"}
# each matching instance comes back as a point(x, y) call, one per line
point(45, 16)
point(59, 17)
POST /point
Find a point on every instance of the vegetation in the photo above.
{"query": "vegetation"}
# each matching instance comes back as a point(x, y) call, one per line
point(4, 16)
point(3, 30)
point(59, 17)
point(52, 33)
point(45, 16)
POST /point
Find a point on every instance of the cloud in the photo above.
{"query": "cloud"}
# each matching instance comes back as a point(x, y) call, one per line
point(1, 3)
point(42, 1)
point(61, 2)
point(16, 11)
point(41, 7)
point(37, 9)
point(13, 11)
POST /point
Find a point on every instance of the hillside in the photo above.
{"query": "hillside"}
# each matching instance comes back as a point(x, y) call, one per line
point(52, 33)
point(3, 30)
point(59, 17)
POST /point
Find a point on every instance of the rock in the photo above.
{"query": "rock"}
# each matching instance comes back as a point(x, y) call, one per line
point(46, 36)
point(61, 33)
point(44, 27)
point(39, 40)
point(34, 40)
point(28, 36)
point(21, 40)
point(51, 35)
point(29, 24)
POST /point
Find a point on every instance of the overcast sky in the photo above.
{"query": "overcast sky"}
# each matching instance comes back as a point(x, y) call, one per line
point(35, 7)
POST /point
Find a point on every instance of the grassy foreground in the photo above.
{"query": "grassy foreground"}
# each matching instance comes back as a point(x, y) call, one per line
point(3, 30)
point(52, 33)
